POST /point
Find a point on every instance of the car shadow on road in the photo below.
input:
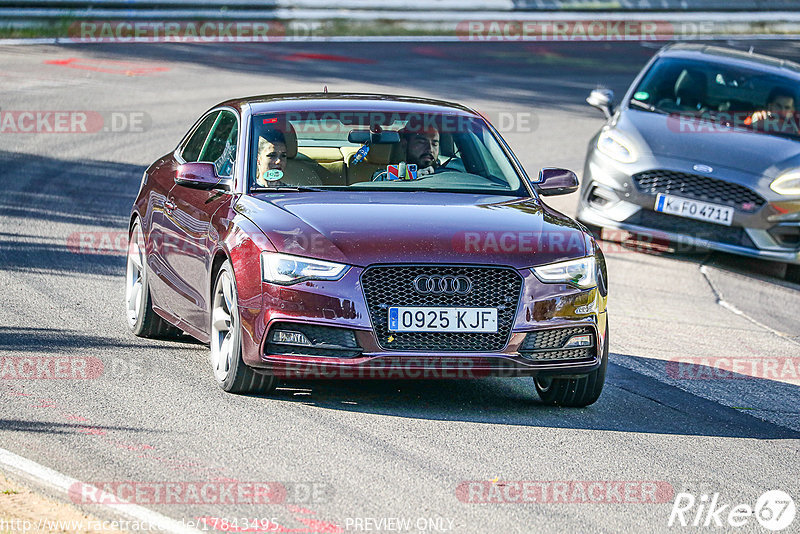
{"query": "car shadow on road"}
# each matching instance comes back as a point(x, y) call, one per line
point(61, 259)
point(65, 217)
point(630, 402)
point(49, 427)
point(49, 341)
point(84, 192)
point(772, 272)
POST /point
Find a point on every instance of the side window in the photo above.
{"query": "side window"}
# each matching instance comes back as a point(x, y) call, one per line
point(220, 147)
point(495, 153)
point(193, 147)
point(483, 163)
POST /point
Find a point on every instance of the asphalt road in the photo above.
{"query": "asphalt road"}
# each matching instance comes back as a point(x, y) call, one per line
point(380, 449)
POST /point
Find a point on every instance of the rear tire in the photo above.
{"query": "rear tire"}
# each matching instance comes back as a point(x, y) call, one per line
point(142, 320)
point(574, 392)
point(230, 371)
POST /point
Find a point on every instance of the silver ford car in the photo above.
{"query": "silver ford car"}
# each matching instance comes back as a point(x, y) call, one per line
point(703, 150)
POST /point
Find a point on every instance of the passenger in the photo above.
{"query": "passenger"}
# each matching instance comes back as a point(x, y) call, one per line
point(272, 155)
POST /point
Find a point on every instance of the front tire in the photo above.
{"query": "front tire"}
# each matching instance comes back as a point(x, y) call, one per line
point(230, 372)
point(574, 392)
point(142, 320)
point(793, 273)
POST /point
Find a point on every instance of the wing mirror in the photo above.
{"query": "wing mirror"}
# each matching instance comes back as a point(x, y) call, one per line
point(556, 182)
point(200, 175)
point(602, 99)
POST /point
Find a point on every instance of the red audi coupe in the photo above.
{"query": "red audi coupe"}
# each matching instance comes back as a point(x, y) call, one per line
point(365, 236)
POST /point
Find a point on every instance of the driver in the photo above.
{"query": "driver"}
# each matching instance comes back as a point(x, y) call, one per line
point(781, 109)
point(422, 149)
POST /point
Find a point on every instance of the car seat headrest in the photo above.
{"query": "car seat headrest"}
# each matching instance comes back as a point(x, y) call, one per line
point(691, 86)
point(288, 135)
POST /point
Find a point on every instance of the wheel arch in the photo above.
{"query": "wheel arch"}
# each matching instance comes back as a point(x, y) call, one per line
point(220, 257)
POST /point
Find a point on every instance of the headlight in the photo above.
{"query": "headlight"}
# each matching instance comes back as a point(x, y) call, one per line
point(286, 269)
point(787, 183)
point(580, 273)
point(616, 146)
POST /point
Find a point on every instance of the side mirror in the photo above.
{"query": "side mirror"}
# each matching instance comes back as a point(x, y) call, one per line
point(556, 182)
point(602, 99)
point(199, 175)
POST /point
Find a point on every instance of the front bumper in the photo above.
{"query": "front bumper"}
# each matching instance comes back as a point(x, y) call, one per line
point(595, 217)
point(609, 199)
point(342, 305)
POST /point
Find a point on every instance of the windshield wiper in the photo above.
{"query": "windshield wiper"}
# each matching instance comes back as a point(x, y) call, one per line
point(284, 188)
point(646, 107)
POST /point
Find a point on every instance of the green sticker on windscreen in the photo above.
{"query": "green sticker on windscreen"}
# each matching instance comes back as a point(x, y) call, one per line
point(641, 95)
point(272, 175)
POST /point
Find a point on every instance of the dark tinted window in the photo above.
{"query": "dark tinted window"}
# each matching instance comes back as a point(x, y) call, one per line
point(733, 95)
point(220, 148)
point(191, 152)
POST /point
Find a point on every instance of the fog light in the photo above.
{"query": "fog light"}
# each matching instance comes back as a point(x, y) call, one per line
point(602, 196)
point(290, 337)
point(583, 340)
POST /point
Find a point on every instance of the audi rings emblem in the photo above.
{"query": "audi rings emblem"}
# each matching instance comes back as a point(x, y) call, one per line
point(442, 285)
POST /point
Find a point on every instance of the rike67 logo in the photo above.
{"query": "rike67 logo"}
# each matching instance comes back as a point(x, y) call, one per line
point(774, 510)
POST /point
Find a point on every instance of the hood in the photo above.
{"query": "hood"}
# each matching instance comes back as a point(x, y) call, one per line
point(363, 228)
point(709, 143)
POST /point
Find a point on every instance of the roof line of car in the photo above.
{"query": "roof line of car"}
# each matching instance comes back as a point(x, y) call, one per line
point(355, 97)
point(733, 55)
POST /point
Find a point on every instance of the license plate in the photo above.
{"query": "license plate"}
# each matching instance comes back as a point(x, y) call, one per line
point(694, 209)
point(428, 319)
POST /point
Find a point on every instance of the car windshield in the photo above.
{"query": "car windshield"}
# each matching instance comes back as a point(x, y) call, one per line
point(733, 96)
point(366, 150)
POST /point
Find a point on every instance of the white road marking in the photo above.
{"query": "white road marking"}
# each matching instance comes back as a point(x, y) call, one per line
point(733, 309)
point(61, 483)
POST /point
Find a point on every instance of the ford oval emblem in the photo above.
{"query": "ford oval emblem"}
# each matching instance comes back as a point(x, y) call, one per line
point(703, 168)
